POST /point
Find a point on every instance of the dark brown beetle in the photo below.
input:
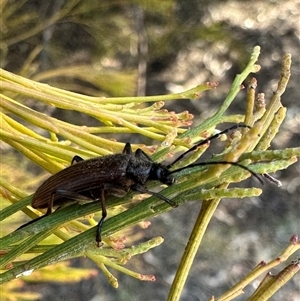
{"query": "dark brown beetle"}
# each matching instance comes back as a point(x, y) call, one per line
point(116, 174)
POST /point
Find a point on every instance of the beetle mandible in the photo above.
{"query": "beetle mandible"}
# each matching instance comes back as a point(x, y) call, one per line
point(116, 175)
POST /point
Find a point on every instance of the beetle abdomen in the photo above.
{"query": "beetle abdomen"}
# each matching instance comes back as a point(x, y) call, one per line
point(83, 178)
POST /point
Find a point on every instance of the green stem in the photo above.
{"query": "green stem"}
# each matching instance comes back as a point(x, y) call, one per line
point(192, 248)
point(234, 90)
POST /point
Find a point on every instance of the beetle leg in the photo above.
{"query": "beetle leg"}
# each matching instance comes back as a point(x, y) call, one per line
point(31, 222)
point(141, 189)
point(76, 159)
point(104, 214)
point(50, 205)
point(77, 197)
point(71, 195)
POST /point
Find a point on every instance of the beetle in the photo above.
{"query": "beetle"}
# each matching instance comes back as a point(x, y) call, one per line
point(116, 175)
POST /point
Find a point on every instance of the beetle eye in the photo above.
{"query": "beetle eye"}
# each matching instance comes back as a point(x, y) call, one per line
point(159, 173)
point(164, 176)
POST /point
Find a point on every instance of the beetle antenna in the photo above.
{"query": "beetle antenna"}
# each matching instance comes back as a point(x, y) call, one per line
point(236, 126)
point(222, 163)
point(272, 179)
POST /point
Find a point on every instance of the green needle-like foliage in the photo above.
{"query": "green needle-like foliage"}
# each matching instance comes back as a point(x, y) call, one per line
point(51, 143)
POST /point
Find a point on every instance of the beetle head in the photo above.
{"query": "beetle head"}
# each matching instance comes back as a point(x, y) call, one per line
point(161, 173)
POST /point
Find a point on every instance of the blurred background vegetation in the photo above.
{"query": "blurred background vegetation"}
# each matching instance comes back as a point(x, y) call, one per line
point(137, 47)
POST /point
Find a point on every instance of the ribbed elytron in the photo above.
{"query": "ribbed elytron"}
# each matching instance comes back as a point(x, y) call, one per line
point(116, 174)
